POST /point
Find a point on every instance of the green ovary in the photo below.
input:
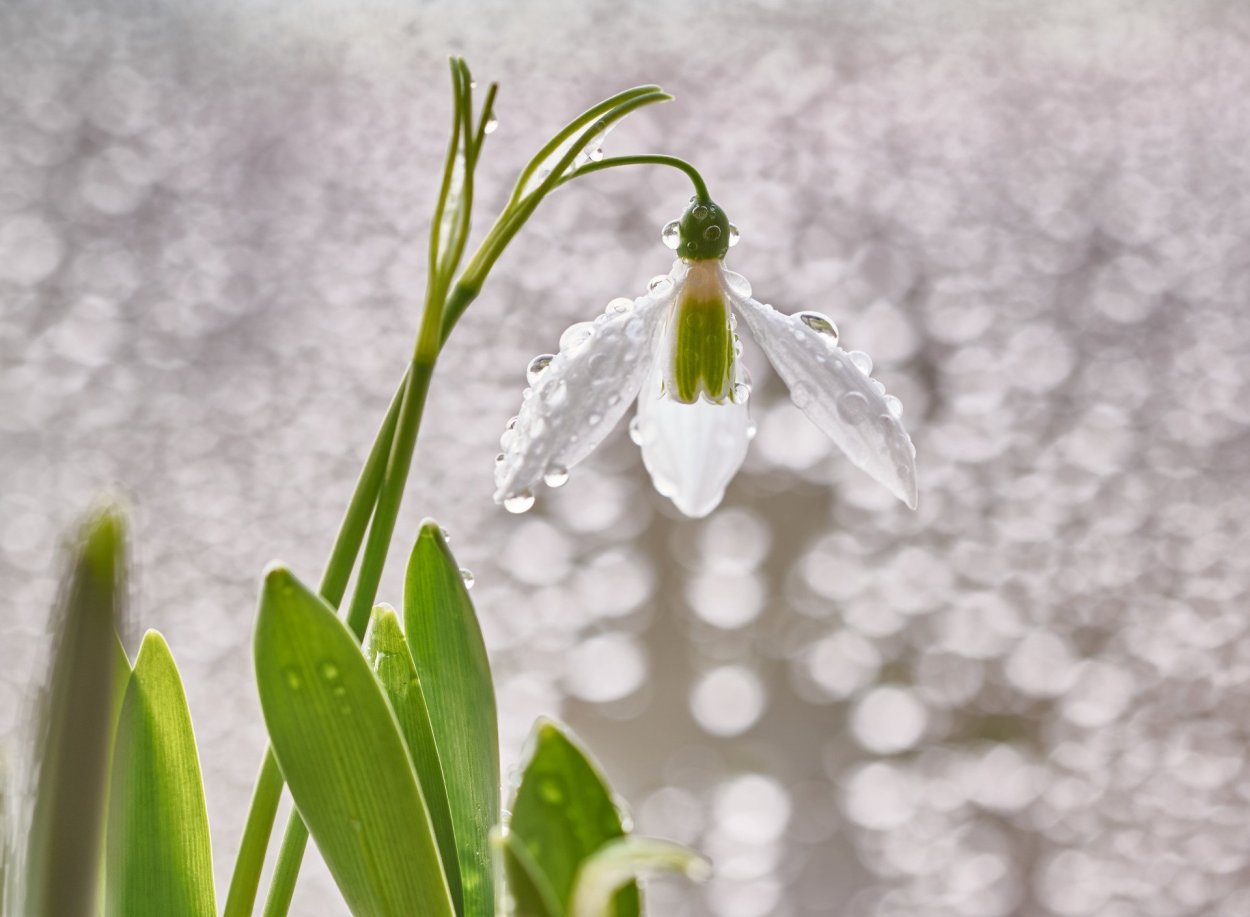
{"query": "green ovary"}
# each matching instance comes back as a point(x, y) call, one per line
point(703, 349)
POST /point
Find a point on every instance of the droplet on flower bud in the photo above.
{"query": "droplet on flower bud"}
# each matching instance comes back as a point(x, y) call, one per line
point(671, 234)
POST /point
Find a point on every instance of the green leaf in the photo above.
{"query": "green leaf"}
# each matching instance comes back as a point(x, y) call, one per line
point(531, 893)
point(159, 857)
point(564, 812)
point(617, 864)
point(65, 843)
point(451, 662)
point(342, 754)
point(387, 652)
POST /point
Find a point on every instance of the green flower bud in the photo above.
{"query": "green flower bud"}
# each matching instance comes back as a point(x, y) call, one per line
point(704, 231)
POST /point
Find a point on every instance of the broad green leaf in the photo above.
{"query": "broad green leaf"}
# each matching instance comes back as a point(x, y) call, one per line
point(531, 893)
point(66, 838)
point(618, 863)
point(564, 812)
point(159, 859)
point(391, 660)
point(451, 662)
point(342, 754)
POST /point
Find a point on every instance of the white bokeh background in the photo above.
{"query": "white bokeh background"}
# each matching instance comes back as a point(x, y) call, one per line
point(1029, 697)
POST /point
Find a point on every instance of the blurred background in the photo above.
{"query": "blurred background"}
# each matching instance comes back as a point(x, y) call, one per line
point(1031, 696)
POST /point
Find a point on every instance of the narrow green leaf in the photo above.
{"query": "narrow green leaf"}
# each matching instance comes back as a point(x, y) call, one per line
point(342, 754)
point(391, 661)
point(450, 658)
point(159, 858)
point(617, 864)
point(65, 842)
point(531, 893)
point(564, 812)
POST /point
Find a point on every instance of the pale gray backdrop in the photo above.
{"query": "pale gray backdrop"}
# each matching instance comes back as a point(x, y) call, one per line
point(1030, 697)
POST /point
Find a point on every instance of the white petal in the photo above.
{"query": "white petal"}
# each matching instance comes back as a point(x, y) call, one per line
point(836, 395)
point(692, 451)
point(583, 392)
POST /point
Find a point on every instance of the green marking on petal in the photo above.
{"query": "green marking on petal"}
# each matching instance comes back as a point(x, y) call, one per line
point(703, 345)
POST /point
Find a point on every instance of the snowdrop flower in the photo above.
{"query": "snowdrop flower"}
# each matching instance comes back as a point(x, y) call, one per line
point(676, 349)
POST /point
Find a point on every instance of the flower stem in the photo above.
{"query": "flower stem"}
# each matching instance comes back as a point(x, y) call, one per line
point(264, 807)
point(612, 162)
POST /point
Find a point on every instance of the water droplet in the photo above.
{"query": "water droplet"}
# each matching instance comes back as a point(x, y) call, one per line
point(670, 235)
point(526, 393)
point(511, 424)
point(733, 321)
point(878, 385)
point(635, 430)
point(659, 283)
point(712, 233)
point(467, 576)
point(500, 458)
point(700, 212)
point(894, 406)
point(446, 534)
point(519, 502)
point(734, 235)
point(339, 691)
point(862, 361)
point(620, 306)
point(551, 790)
point(820, 324)
point(555, 393)
point(801, 395)
point(853, 407)
point(293, 679)
point(594, 419)
point(506, 438)
point(614, 398)
point(556, 476)
point(575, 336)
point(329, 669)
point(738, 285)
point(491, 125)
point(737, 346)
point(741, 392)
point(535, 370)
point(752, 429)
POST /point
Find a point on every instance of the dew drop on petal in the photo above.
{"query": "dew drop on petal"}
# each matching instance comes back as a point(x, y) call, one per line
point(500, 458)
point(734, 235)
point(879, 386)
point(536, 367)
point(820, 324)
point(671, 234)
point(556, 476)
point(741, 392)
point(519, 502)
point(894, 406)
point(576, 335)
point(801, 395)
point(467, 575)
point(853, 407)
point(733, 321)
point(506, 439)
point(862, 361)
point(526, 393)
point(751, 431)
point(620, 306)
point(738, 285)
point(659, 283)
point(594, 419)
